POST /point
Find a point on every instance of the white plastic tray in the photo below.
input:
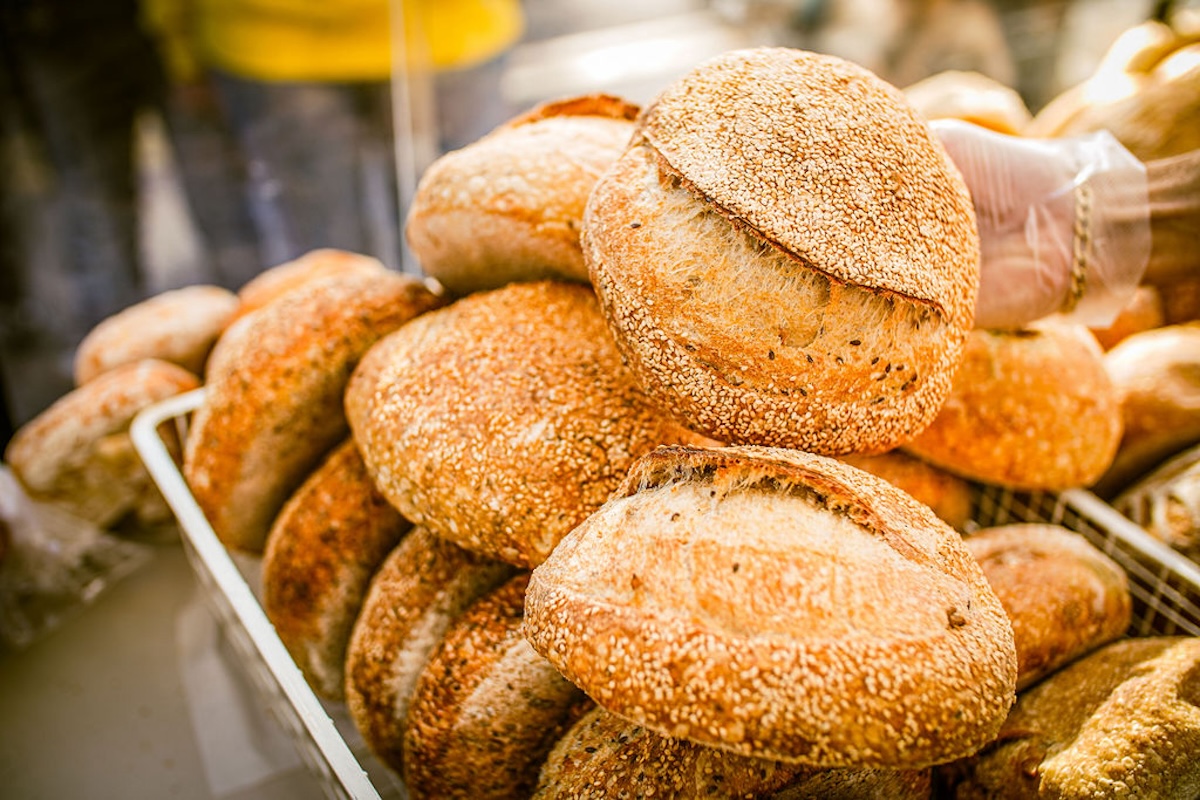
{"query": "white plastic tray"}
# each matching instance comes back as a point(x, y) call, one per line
point(1164, 584)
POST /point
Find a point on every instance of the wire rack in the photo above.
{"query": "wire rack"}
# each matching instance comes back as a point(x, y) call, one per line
point(1165, 587)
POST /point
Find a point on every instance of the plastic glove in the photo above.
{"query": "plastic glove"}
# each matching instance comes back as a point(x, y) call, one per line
point(1064, 224)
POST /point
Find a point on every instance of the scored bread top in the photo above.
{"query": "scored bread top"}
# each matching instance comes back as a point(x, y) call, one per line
point(590, 105)
point(829, 163)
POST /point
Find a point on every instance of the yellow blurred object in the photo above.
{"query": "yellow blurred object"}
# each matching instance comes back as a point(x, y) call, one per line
point(349, 40)
point(1146, 91)
point(972, 97)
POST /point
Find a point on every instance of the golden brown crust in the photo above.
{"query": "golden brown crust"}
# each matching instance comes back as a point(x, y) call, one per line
point(781, 605)
point(1156, 374)
point(783, 281)
point(948, 495)
point(273, 283)
point(77, 453)
point(273, 406)
point(423, 585)
point(604, 756)
point(179, 326)
point(1123, 721)
point(503, 420)
point(329, 539)
point(1030, 409)
point(487, 708)
point(1143, 312)
point(1063, 596)
point(972, 97)
point(509, 206)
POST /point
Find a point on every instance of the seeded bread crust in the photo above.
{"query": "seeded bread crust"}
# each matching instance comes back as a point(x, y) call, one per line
point(273, 406)
point(786, 256)
point(1030, 409)
point(328, 541)
point(275, 282)
point(179, 326)
point(778, 604)
point(509, 206)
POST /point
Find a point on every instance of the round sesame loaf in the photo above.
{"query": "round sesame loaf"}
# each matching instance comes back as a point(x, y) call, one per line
point(786, 255)
point(781, 605)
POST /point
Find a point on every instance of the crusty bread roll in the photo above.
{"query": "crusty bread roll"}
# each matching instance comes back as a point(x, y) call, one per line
point(1063, 596)
point(179, 326)
point(948, 495)
point(423, 585)
point(275, 282)
point(273, 406)
point(328, 541)
point(786, 255)
point(1143, 312)
point(77, 453)
point(487, 708)
point(1157, 378)
point(509, 206)
point(504, 419)
point(604, 756)
point(1030, 409)
point(972, 97)
point(1123, 721)
point(780, 605)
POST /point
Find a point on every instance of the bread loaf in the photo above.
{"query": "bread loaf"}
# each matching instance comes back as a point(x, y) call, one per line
point(275, 282)
point(77, 452)
point(604, 756)
point(786, 256)
point(1030, 409)
point(1122, 722)
point(946, 494)
point(780, 605)
point(423, 585)
point(487, 708)
point(328, 541)
point(503, 420)
point(179, 326)
point(972, 97)
point(1063, 596)
point(509, 206)
point(273, 407)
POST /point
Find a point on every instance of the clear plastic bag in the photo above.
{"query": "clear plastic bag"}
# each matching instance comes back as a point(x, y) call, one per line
point(1064, 224)
point(54, 564)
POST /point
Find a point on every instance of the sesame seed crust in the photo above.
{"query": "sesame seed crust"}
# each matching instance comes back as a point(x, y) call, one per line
point(605, 756)
point(1030, 409)
point(778, 604)
point(504, 419)
point(273, 407)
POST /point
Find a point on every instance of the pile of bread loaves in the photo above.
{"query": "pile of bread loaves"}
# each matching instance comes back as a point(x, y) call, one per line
point(658, 483)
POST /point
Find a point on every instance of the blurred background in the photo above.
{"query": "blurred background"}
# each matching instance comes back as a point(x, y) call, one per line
point(143, 151)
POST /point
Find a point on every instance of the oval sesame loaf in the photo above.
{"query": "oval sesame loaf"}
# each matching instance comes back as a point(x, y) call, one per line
point(781, 605)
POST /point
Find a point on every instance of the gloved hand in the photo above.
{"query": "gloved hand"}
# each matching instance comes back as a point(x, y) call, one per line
point(1064, 224)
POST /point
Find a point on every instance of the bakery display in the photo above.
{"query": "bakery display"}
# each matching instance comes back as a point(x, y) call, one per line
point(503, 420)
point(804, 277)
point(1030, 409)
point(1121, 722)
point(1063, 596)
point(781, 605)
point(509, 206)
point(273, 407)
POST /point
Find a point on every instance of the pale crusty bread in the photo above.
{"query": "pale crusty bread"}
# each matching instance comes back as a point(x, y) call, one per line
point(604, 756)
point(273, 283)
point(1030, 409)
point(487, 708)
point(423, 585)
point(948, 495)
point(328, 541)
point(972, 97)
point(778, 604)
point(1156, 374)
point(1123, 721)
point(179, 326)
point(77, 453)
point(273, 406)
point(509, 206)
point(504, 419)
point(786, 255)
point(1063, 596)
